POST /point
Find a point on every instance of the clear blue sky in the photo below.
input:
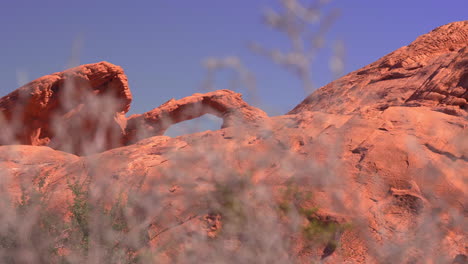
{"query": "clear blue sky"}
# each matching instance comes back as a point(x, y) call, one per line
point(161, 43)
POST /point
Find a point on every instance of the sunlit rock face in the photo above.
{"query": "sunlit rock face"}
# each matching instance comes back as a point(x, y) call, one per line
point(78, 110)
point(225, 104)
point(431, 71)
point(371, 168)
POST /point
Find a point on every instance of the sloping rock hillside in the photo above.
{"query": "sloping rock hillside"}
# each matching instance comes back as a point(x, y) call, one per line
point(371, 168)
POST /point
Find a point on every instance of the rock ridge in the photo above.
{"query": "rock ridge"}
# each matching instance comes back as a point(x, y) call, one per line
point(431, 71)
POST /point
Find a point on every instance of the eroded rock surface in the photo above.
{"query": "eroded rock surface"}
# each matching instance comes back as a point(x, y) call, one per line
point(376, 162)
point(86, 106)
point(224, 104)
point(431, 71)
point(68, 110)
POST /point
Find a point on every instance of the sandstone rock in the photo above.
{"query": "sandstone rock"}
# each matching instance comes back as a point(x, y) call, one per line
point(431, 71)
point(225, 104)
point(375, 164)
point(64, 110)
point(442, 40)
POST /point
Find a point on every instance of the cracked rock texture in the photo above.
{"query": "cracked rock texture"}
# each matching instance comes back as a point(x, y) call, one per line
point(384, 148)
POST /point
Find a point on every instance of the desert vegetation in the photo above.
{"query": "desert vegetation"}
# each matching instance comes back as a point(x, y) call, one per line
point(364, 183)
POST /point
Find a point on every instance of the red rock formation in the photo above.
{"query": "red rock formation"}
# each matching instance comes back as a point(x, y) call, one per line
point(432, 71)
point(224, 104)
point(375, 164)
point(64, 110)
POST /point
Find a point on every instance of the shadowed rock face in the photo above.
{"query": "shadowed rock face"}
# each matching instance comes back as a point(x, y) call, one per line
point(383, 149)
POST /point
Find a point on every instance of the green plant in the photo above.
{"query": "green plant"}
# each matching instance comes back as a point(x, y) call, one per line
point(80, 211)
point(316, 230)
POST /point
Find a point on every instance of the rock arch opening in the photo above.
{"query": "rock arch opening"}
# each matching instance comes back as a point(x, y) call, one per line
point(224, 104)
point(200, 124)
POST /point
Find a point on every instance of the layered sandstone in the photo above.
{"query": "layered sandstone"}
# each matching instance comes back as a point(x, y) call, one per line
point(431, 71)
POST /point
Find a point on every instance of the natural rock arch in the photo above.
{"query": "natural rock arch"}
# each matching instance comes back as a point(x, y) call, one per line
point(82, 111)
point(224, 104)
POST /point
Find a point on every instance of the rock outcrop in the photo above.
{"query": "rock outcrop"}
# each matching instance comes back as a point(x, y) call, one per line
point(68, 110)
point(371, 168)
point(224, 104)
point(86, 106)
point(432, 71)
